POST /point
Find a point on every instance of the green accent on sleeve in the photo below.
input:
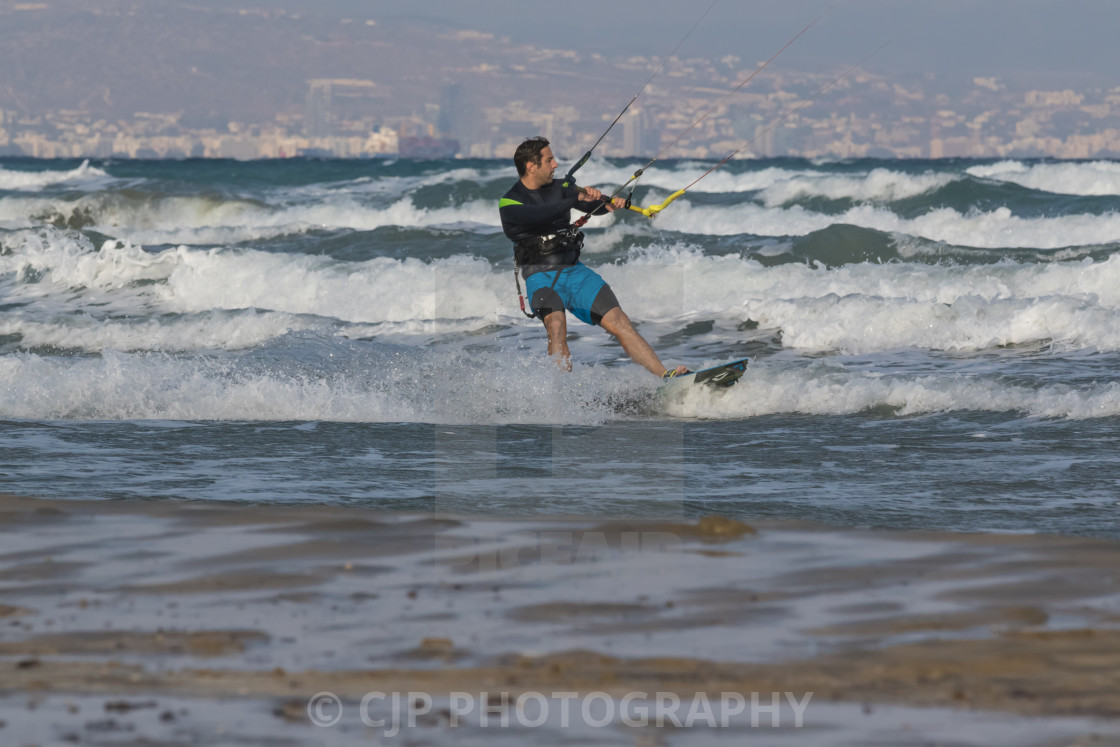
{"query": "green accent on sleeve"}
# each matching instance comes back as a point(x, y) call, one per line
point(506, 202)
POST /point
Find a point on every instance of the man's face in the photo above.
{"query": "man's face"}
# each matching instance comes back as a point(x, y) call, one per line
point(543, 172)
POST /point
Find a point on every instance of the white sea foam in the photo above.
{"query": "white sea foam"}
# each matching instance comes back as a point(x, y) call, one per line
point(432, 387)
point(207, 221)
point(122, 386)
point(374, 291)
point(854, 308)
point(873, 307)
point(214, 330)
point(776, 186)
point(116, 215)
point(827, 389)
point(679, 175)
point(1087, 179)
point(879, 185)
point(212, 221)
point(855, 324)
point(382, 185)
point(499, 389)
point(995, 229)
point(185, 280)
point(63, 260)
point(33, 181)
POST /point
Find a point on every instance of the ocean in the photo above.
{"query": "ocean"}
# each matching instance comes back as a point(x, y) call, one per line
point(933, 345)
point(283, 462)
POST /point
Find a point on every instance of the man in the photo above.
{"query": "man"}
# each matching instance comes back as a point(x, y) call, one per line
point(536, 216)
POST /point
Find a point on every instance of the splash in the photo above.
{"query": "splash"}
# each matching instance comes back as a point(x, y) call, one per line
point(1087, 179)
point(330, 380)
point(829, 389)
point(34, 181)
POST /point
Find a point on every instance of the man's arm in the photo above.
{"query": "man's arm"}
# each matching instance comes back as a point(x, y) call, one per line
point(527, 213)
point(522, 215)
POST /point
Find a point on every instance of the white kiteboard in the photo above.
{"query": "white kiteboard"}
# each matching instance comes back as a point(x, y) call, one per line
point(721, 377)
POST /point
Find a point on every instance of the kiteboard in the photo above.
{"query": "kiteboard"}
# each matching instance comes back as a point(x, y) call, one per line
point(720, 377)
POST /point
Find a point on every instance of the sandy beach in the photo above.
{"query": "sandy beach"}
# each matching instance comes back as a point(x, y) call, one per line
point(191, 623)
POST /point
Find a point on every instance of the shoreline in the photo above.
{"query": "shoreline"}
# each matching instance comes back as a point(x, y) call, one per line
point(224, 604)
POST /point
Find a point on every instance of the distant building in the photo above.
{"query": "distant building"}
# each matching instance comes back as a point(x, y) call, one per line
point(337, 106)
point(317, 120)
point(451, 110)
point(428, 147)
point(382, 141)
point(638, 135)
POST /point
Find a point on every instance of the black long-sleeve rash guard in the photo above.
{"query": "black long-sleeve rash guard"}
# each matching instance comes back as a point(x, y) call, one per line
point(539, 212)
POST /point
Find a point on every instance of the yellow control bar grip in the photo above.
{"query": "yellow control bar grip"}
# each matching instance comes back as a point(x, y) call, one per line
point(653, 210)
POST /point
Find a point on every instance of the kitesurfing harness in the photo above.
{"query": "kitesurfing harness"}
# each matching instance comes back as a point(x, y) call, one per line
point(560, 250)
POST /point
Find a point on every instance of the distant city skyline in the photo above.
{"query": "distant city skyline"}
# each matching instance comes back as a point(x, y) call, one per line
point(172, 78)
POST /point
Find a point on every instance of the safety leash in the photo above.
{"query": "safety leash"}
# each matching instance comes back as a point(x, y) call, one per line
point(520, 295)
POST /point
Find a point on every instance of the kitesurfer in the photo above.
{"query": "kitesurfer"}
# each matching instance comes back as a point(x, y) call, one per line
point(536, 217)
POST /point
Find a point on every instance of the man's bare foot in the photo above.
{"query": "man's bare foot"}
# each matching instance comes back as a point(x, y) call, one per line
point(679, 370)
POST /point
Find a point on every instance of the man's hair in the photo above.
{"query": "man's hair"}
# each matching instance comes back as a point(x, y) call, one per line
point(529, 152)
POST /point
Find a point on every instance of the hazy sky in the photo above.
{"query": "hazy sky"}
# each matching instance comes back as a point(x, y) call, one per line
point(983, 37)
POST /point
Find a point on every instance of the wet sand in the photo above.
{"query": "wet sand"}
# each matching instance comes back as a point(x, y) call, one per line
point(201, 622)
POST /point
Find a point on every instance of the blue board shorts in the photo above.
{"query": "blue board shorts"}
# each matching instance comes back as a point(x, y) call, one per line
point(579, 289)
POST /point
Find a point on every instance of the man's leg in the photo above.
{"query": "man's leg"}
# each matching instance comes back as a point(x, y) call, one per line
point(556, 324)
point(618, 324)
point(549, 308)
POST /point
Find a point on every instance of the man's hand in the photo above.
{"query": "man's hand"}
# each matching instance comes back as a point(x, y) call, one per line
point(590, 194)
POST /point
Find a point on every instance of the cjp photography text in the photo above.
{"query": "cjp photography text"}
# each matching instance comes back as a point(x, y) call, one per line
point(396, 712)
